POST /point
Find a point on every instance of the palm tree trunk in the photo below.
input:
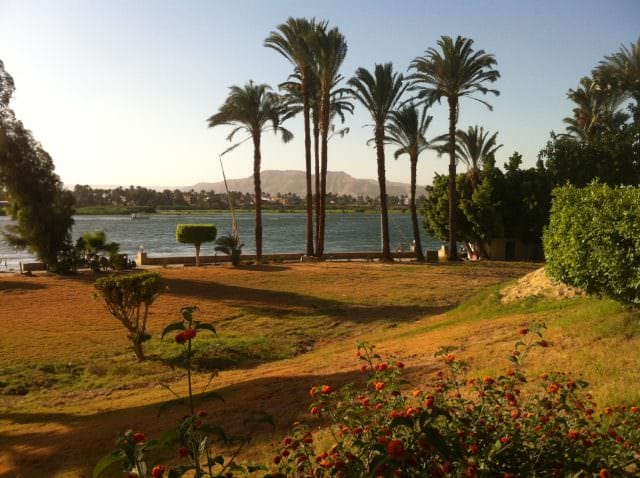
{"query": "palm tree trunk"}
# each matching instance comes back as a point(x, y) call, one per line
point(307, 157)
point(453, 200)
point(324, 141)
point(382, 181)
point(258, 194)
point(316, 146)
point(412, 206)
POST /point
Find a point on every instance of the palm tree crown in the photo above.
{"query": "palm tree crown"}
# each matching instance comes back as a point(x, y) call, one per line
point(252, 108)
point(407, 129)
point(474, 147)
point(596, 110)
point(621, 71)
point(454, 71)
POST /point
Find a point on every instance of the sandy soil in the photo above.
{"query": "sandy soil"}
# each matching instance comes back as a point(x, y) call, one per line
point(538, 284)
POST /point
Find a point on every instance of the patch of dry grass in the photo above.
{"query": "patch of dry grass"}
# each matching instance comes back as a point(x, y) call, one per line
point(407, 310)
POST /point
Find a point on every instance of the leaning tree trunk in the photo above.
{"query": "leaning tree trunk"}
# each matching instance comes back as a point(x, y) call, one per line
point(307, 158)
point(453, 201)
point(258, 194)
point(382, 181)
point(414, 213)
point(316, 145)
point(197, 255)
point(137, 349)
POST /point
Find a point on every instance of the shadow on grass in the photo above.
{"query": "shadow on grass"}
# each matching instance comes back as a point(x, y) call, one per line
point(282, 305)
point(14, 285)
point(80, 441)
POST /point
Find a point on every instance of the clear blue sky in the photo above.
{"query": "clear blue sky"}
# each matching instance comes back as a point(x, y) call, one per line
point(118, 91)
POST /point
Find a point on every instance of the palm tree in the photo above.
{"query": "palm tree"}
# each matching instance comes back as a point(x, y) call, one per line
point(452, 72)
point(253, 109)
point(407, 128)
point(379, 94)
point(292, 40)
point(596, 110)
point(621, 72)
point(473, 148)
point(330, 50)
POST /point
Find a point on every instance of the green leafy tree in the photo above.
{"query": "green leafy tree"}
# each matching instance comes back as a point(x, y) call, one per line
point(379, 93)
point(42, 209)
point(97, 253)
point(253, 109)
point(454, 71)
point(196, 234)
point(128, 298)
point(407, 129)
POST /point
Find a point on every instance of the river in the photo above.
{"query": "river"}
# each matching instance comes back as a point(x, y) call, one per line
point(282, 232)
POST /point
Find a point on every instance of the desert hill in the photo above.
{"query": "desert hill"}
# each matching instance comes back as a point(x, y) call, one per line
point(338, 182)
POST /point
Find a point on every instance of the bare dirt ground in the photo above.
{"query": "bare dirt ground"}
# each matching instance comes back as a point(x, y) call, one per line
point(538, 284)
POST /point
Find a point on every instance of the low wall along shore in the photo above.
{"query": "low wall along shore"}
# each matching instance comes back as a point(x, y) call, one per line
point(142, 259)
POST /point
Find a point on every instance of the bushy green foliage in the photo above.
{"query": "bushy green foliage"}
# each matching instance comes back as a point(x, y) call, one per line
point(41, 207)
point(593, 240)
point(196, 234)
point(128, 298)
point(231, 246)
point(95, 252)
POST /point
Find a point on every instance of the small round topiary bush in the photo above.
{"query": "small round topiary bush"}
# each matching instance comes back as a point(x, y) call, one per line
point(196, 234)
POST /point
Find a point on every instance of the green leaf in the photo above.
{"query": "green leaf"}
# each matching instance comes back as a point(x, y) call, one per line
point(204, 326)
point(106, 461)
point(172, 327)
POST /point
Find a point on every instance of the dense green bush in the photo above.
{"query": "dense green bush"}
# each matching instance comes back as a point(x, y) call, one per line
point(96, 253)
point(128, 298)
point(593, 240)
point(196, 234)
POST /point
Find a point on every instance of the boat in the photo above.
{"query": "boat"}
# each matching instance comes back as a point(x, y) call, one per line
point(135, 217)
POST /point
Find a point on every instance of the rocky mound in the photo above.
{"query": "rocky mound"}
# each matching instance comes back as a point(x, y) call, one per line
point(537, 283)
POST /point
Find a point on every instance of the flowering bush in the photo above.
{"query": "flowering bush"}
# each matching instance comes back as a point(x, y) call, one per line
point(459, 427)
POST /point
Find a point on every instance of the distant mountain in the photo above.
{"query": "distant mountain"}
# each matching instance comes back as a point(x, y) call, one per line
point(338, 182)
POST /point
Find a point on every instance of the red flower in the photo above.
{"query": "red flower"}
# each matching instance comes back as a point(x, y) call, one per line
point(189, 333)
point(180, 338)
point(276, 459)
point(326, 389)
point(379, 386)
point(450, 358)
point(183, 452)
point(634, 409)
point(505, 440)
point(363, 368)
point(553, 388)
point(138, 437)
point(284, 452)
point(488, 380)
point(399, 365)
point(312, 392)
point(573, 434)
point(395, 449)
point(158, 471)
point(429, 402)
point(201, 413)
point(314, 410)
point(523, 331)
point(473, 449)
point(604, 473)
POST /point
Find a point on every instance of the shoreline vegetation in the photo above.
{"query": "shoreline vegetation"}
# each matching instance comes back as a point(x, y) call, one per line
point(126, 210)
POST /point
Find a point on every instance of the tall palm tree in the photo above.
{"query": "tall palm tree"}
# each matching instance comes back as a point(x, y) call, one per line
point(330, 50)
point(340, 105)
point(596, 110)
point(379, 93)
point(292, 40)
point(454, 71)
point(407, 128)
point(253, 109)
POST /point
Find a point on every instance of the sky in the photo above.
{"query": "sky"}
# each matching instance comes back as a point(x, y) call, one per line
point(118, 91)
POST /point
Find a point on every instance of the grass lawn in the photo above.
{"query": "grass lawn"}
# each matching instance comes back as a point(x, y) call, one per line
point(68, 382)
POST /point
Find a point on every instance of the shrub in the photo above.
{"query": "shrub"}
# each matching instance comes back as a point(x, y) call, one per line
point(231, 246)
point(128, 298)
point(462, 427)
point(593, 240)
point(196, 234)
point(96, 253)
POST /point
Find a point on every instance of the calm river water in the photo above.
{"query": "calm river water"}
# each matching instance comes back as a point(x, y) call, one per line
point(282, 232)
